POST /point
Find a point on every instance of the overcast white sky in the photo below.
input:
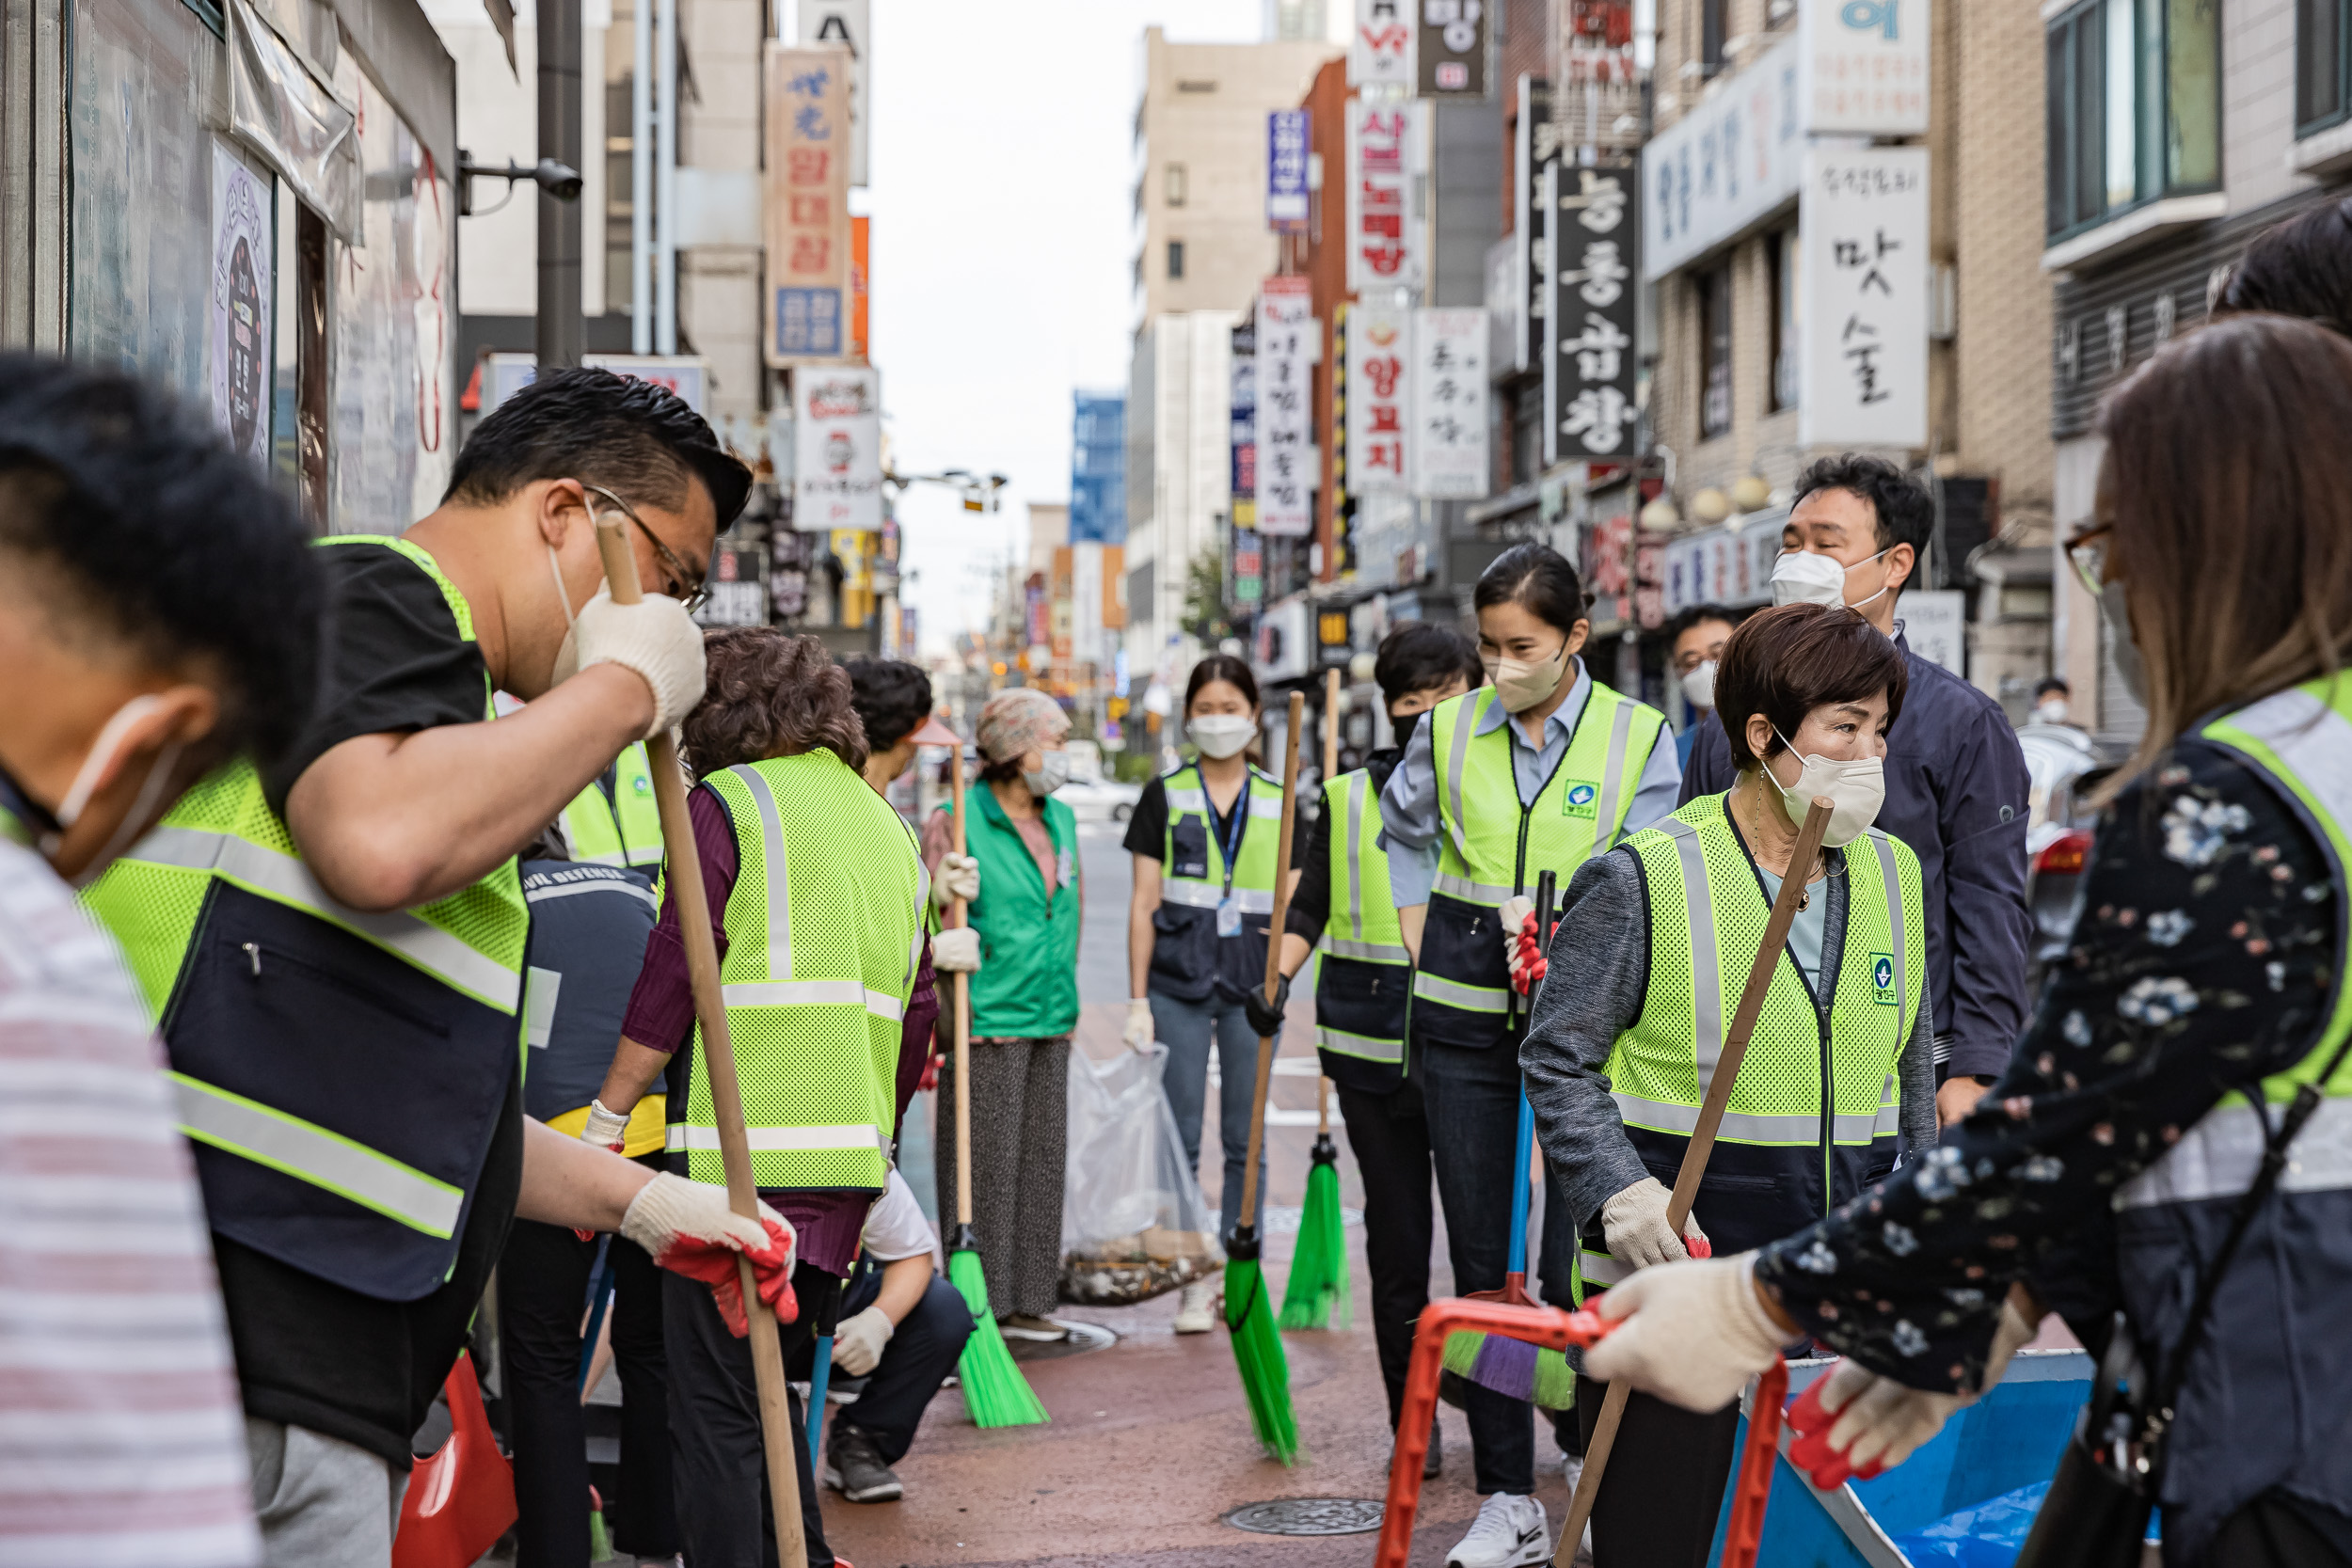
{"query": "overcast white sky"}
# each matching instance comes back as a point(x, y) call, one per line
point(1001, 200)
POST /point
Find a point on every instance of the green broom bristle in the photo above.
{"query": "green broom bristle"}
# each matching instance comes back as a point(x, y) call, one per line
point(1461, 1351)
point(1555, 1381)
point(993, 1389)
point(1316, 1294)
point(1265, 1374)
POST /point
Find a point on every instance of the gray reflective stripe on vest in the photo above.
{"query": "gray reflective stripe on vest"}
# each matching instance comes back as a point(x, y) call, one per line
point(1888, 874)
point(285, 878)
point(2313, 740)
point(2218, 1156)
point(1262, 807)
point(1612, 774)
point(1600, 1267)
point(1475, 999)
point(1890, 1119)
point(1465, 730)
point(310, 1153)
point(1360, 1046)
point(616, 859)
point(540, 989)
point(1706, 985)
point(1371, 952)
point(1743, 1127)
point(1470, 891)
point(1204, 896)
point(772, 852)
point(812, 994)
point(594, 884)
point(857, 1137)
point(1355, 787)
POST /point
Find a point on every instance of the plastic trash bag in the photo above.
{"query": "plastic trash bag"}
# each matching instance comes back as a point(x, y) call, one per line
point(1134, 1224)
point(1989, 1534)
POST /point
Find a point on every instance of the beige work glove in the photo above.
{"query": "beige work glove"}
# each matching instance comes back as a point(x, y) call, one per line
point(1140, 1031)
point(958, 876)
point(1693, 1334)
point(1874, 1424)
point(956, 951)
point(857, 1343)
point(605, 1129)
point(655, 637)
point(1634, 1225)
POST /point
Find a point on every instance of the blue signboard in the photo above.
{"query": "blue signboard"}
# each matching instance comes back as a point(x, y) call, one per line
point(1286, 170)
point(1098, 469)
point(808, 321)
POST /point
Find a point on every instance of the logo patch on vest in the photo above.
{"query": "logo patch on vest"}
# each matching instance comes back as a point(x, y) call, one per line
point(1882, 980)
point(641, 784)
point(1576, 799)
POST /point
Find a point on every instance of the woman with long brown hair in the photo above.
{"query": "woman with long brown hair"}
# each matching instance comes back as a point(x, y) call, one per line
point(2168, 1157)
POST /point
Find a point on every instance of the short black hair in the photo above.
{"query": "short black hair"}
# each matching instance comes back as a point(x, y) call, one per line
point(2301, 267)
point(637, 439)
point(1539, 578)
point(162, 540)
point(2052, 683)
point(1904, 509)
point(1422, 655)
point(1698, 614)
point(892, 697)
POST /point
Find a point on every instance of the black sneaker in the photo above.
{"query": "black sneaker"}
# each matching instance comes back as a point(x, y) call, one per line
point(855, 1469)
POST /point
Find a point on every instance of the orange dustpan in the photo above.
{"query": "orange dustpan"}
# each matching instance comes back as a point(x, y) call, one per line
point(462, 1498)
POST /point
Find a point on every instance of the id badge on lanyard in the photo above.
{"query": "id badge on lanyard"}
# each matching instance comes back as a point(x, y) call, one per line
point(1227, 906)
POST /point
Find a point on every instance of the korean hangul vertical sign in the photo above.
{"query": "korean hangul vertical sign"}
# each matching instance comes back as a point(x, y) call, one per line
point(1535, 146)
point(837, 441)
point(1242, 434)
point(1384, 153)
point(1590, 364)
point(1381, 52)
point(1379, 400)
point(1450, 405)
point(1289, 342)
point(1863, 285)
point(1286, 170)
point(807, 217)
point(1865, 67)
point(1452, 48)
point(849, 24)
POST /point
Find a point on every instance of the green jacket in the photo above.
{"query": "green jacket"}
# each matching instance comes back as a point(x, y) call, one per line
point(1027, 983)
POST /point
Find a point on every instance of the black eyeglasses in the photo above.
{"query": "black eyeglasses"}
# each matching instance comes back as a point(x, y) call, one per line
point(684, 585)
point(2086, 552)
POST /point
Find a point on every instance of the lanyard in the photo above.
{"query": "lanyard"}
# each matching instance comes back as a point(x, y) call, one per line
point(1233, 835)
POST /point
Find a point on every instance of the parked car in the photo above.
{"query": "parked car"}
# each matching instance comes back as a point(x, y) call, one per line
point(1100, 800)
point(2065, 766)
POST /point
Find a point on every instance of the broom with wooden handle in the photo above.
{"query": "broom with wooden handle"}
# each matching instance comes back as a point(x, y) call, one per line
point(1702, 1144)
point(685, 873)
point(1316, 1295)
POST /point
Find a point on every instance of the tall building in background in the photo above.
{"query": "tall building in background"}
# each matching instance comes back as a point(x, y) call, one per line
point(1098, 469)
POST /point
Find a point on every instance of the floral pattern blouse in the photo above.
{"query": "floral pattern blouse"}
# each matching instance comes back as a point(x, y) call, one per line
point(2202, 960)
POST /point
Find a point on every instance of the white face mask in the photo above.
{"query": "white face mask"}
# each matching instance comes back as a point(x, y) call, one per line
point(1222, 735)
point(566, 657)
point(1802, 577)
point(1698, 687)
point(1521, 684)
point(1855, 789)
point(2128, 663)
point(2051, 711)
point(1050, 777)
point(85, 784)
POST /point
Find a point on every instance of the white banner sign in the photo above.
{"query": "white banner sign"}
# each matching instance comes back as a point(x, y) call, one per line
point(1863, 284)
point(243, 225)
point(1450, 405)
point(1734, 158)
point(1381, 50)
point(1865, 67)
point(1384, 152)
point(1379, 400)
point(1932, 621)
point(849, 24)
point(837, 439)
point(1289, 343)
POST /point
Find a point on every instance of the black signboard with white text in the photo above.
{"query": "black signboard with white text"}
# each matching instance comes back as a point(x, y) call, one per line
point(1590, 361)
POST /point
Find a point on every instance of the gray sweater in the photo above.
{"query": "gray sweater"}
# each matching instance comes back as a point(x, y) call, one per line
point(1593, 993)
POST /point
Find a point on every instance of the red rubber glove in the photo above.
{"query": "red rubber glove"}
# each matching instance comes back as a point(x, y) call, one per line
point(1528, 963)
point(686, 1227)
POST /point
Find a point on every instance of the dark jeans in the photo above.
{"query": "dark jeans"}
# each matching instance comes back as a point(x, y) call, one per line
point(921, 1353)
point(1472, 1101)
point(1184, 1029)
point(714, 1428)
point(1665, 1483)
point(1388, 1134)
point(543, 1281)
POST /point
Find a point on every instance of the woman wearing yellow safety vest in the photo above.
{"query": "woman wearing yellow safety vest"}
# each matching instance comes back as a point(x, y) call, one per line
point(1205, 839)
point(2168, 1160)
point(614, 821)
point(1536, 772)
point(1662, 933)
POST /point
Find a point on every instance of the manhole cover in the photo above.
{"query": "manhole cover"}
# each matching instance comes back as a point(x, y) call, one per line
point(1084, 1338)
point(1308, 1517)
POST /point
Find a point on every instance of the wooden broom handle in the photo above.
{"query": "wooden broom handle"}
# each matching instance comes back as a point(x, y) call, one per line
point(685, 873)
point(1702, 1144)
point(1272, 949)
point(963, 1019)
point(1330, 771)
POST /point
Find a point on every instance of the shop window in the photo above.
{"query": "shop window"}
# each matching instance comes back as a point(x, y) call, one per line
point(2134, 107)
point(2323, 63)
point(1782, 253)
point(620, 178)
point(310, 365)
point(1715, 24)
point(1175, 260)
point(1175, 184)
point(1714, 290)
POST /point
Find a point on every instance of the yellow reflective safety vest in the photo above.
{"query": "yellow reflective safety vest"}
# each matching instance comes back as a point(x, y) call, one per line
point(1190, 962)
point(1363, 986)
point(341, 1073)
point(824, 930)
point(1812, 1115)
point(614, 821)
point(1491, 848)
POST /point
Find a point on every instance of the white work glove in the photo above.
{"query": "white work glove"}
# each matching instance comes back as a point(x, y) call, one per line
point(1634, 1225)
point(1513, 917)
point(657, 638)
point(1855, 1422)
point(686, 1227)
point(956, 950)
point(958, 876)
point(857, 1343)
point(605, 1129)
point(1693, 1334)
point(1140, 1031)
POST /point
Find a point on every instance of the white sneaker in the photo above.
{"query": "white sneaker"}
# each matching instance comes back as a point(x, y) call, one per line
point(1510, 1532)
point(1197, 1309)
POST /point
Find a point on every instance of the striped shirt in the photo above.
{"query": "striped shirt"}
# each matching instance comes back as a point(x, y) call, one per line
point(122, 1439)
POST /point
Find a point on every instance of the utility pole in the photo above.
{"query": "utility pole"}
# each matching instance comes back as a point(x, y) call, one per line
point(562, 333)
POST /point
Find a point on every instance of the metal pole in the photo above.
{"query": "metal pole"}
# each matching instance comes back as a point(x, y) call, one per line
point(560, 333)
point(640, 182)
point(665, 190)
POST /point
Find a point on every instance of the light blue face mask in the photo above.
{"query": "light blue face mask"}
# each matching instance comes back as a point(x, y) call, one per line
point(1049, 777)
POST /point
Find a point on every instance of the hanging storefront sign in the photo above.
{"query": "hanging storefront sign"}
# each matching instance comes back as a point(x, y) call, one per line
point(1535, 146)
point(1289, 343)
point(1286, 170)
point(837, 435)
point(1381, 52)
point(738, 587)
point(860, 274)
point(1719, 566)
point(242, 295)
point(1734, 157)
point(847, 24)
point(807, 205)
point(1379, 400)
point(1590, 366)
point(1452, 48)
point(1863, 299)
point(1384, 232)
point(1864, 67)
point(1242, 428)
point(1449, 402)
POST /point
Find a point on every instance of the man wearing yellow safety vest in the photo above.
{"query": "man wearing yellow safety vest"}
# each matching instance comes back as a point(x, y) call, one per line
point(1538, 772)
point(614, 821)
point(335, 948)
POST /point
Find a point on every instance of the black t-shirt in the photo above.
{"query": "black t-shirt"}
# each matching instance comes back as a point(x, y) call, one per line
point(1146, 829)
point(311, 1354)
point(1311, 901)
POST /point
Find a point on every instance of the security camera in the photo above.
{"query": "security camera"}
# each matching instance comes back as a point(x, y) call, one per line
point(559, 181)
